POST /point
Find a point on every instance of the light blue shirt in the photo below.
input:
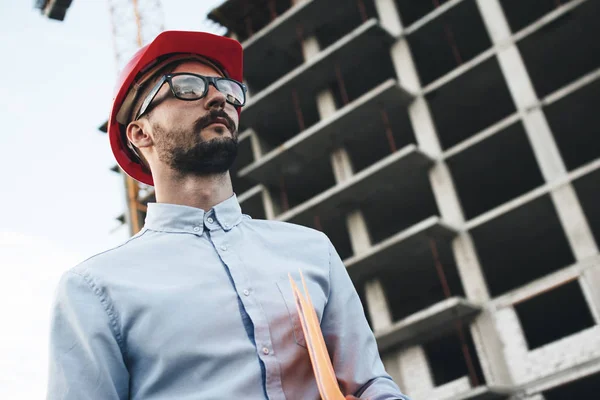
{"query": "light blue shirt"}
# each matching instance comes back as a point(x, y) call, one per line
point(198, 305)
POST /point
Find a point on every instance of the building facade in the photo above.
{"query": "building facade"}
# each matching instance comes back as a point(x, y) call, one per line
point(451, 151)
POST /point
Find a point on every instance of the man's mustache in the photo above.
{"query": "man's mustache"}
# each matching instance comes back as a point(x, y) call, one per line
point(214, 116)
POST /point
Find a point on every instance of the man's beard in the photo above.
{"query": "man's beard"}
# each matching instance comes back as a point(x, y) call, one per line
point(187, 153)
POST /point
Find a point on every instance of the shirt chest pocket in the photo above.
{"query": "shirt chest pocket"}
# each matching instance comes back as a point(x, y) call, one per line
point(288, 299)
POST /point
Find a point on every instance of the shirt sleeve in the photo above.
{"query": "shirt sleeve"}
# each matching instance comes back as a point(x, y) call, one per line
point(350, 341)
point(86, 361)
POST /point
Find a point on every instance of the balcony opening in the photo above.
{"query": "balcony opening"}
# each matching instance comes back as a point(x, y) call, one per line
point(390, 210)
point(574, 122)
point(362, 76)
point(470, 103)
point(355, 13)
point(295, 189)
point(587, 191)
point(447, 359)
point(563, 50)
point(253, 17)
point(448, 41)
point(495, 170)
point(521, 245)
point(294, 114)
point(520, 14)
point(413, 10)
point(389, 131)
point(553, 315)
point(583, 388)
point(414, 284)
point(254, 207)
point(337, 231)
point(272, 65)
point(382, 132)
point(280, 51)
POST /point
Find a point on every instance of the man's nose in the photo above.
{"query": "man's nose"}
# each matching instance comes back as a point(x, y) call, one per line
point(214, 98)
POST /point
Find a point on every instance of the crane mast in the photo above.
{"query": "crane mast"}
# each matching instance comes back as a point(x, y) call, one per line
point(134, 23)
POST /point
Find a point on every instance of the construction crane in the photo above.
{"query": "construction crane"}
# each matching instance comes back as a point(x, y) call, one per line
point(134, 23)
point(53, 9)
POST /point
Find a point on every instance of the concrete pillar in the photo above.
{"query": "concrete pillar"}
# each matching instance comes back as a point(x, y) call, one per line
point(257, 145)
point(340, 159)
point(310, 47)
point(545, 149)
point(359, 233)
point(388, 16)
point(325, 103)
point(490, 354)
point(573, 221)
point(423, 126)
point(441, 181)
point(377, 306)
point(392, 366)
point(490, 349)
point(415, 372)
point(445, 194)
point(590, 286)
point(357, 228)
point(271, 207)
point(341, 164)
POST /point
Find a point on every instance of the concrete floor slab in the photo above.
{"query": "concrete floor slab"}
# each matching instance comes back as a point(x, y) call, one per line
point(485, 393)
point(402, 246)
point(365, 40)
point(426, 323)
point(316, 141)
point(396, 169)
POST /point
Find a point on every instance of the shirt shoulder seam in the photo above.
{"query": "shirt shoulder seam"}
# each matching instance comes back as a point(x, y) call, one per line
point(106, 304)
point(131, 239)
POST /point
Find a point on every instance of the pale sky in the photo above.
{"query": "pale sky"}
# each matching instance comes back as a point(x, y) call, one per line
point(58, 198)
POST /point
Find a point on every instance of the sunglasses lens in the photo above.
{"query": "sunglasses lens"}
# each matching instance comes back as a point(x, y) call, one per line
point(188, 86)
point(233, 91)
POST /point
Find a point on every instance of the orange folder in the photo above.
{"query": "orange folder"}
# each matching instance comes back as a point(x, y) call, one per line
point(319, 357)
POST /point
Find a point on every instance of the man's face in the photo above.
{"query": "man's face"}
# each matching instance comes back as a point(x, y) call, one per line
point(196, 137)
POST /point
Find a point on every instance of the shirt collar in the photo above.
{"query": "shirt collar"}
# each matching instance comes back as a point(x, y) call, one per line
point(185, 219)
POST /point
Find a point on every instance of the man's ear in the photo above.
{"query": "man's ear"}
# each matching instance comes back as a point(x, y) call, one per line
point(138, 133)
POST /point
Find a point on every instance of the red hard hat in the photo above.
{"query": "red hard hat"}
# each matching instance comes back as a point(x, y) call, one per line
point(226, 53)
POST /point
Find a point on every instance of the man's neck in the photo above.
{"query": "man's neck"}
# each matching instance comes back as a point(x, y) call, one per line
point(202, 192)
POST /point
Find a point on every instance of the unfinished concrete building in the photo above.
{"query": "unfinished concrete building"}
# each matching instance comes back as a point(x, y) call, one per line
point(451, 151)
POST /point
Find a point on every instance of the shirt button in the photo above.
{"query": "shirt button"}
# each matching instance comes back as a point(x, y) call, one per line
point(246, 292)
point(196, 228)
point(224, 248)
point(210, 220)
point(265, 350)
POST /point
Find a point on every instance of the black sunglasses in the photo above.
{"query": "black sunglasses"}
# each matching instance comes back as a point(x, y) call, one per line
point(187, 86)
